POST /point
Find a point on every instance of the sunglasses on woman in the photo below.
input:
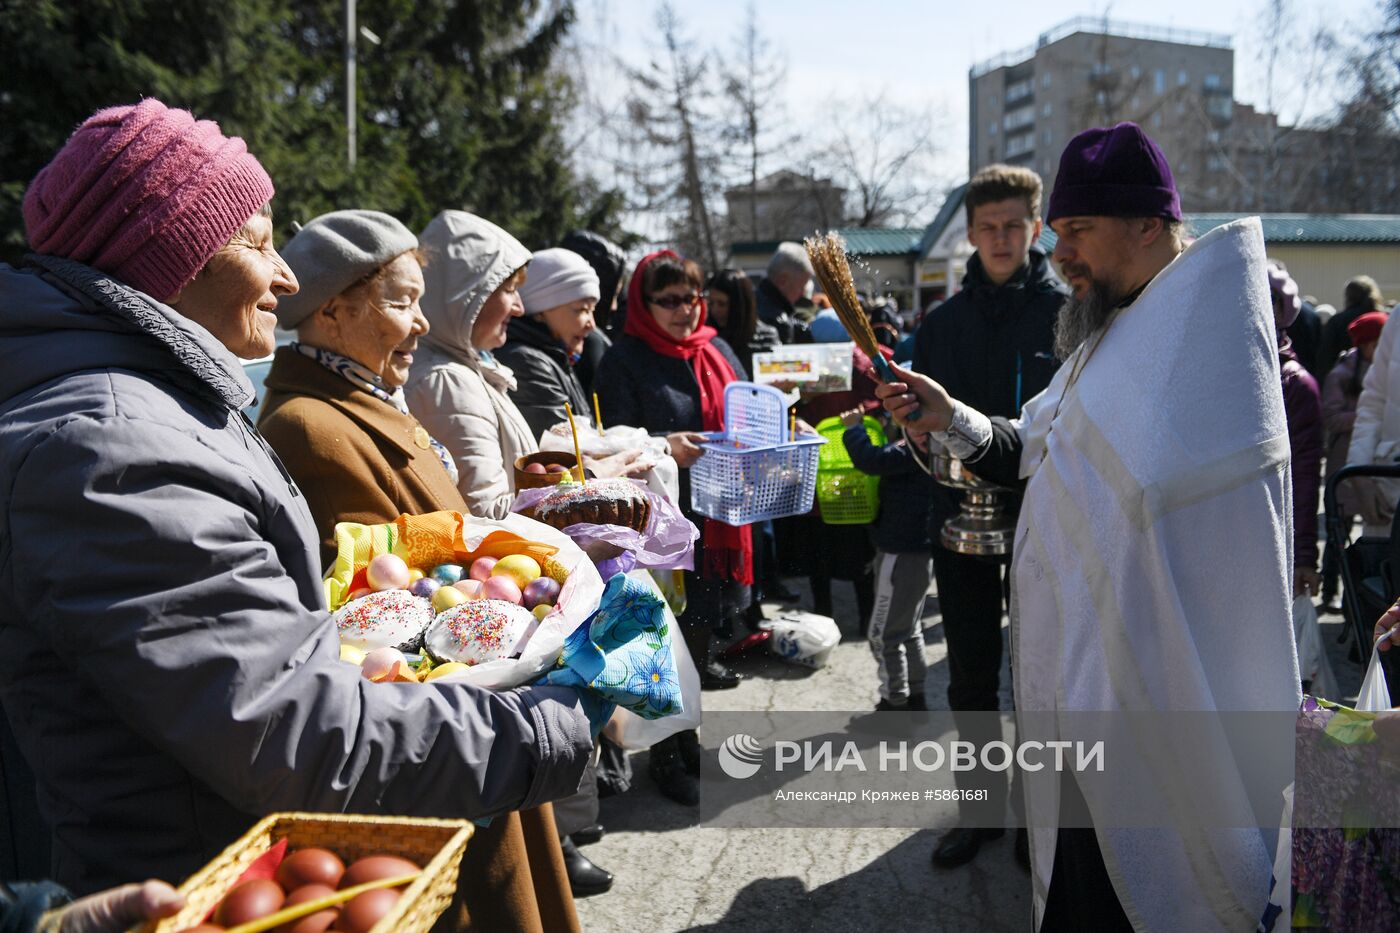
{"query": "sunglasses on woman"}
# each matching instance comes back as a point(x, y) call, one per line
point(675, 303)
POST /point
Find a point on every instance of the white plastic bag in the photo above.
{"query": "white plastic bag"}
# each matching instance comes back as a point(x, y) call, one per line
point(662, 475)
point(1313, 666)
point(632, 731)
point(803, 638)
point(1375, 694)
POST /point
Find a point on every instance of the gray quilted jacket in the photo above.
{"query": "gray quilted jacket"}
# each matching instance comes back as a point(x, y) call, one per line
point(165, 660)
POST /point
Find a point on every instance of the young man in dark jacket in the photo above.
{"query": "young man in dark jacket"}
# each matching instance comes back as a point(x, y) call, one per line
point(994, 340)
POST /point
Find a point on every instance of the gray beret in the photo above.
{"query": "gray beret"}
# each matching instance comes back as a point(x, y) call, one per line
point(335, 251)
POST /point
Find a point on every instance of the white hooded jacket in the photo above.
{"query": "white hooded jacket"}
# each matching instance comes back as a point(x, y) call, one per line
point(457, 395)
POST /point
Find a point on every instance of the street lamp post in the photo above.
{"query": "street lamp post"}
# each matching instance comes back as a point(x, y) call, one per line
point(350, 83)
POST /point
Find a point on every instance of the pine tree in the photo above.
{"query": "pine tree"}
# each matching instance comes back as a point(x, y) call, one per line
point(460, 104)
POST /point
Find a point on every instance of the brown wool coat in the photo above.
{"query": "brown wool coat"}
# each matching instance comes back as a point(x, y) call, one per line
point(358, 459)
point(355, 458)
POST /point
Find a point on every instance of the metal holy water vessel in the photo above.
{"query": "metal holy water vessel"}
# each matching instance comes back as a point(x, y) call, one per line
point(982, 528)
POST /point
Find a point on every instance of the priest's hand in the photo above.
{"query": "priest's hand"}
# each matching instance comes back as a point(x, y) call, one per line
point(915, 392)
point(1389, 624)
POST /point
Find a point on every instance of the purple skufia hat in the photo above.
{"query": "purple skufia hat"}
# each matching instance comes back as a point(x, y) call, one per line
point(1114, 172)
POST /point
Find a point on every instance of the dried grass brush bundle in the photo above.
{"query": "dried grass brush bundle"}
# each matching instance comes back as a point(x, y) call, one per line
point(828, 254)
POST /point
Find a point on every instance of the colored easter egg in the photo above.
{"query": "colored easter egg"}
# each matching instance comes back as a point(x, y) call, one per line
point(535, 468)
point(424, 587)
point(542, 610)
point(249, 901)
point(311, 865)
point(415, 573)
point(387, 572)
point(522, 568)
point(501, 588)
point(540, 591)
point(470, 588)
point(445, 597)
point(446, 574)
point(482, 567)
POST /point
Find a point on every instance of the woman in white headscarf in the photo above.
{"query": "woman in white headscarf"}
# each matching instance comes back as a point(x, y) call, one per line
point(457, 389)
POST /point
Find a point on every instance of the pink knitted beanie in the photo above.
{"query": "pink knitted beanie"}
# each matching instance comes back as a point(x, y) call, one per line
point(147, 194)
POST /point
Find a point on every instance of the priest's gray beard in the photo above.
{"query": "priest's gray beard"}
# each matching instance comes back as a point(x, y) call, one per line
point(1080, 318)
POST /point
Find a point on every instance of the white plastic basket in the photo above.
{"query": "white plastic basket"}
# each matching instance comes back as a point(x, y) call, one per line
point(754, 471)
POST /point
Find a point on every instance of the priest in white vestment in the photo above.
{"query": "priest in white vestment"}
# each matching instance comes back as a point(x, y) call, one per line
point(1152, 567)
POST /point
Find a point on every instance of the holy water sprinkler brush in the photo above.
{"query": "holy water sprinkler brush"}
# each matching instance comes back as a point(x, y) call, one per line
point(828, 255)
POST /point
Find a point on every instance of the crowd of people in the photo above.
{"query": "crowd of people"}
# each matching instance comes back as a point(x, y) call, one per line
point(171, 672)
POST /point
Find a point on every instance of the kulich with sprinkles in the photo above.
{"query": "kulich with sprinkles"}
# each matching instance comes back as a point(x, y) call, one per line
point(387, 619)
point(595, 501)
point(478, 631)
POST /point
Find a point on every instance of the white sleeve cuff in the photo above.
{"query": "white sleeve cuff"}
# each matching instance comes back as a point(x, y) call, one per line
point(969, 433)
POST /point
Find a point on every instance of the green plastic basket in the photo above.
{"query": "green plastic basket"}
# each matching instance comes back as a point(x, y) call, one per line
point(846, 495)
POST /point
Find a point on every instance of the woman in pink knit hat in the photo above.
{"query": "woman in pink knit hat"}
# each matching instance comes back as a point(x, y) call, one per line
point(168, 666)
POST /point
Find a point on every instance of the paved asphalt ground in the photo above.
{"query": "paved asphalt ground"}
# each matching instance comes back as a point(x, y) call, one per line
point(673, 874)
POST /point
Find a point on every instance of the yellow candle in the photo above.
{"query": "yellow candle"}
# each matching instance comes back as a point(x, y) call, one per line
point(597, 413)
point(578, 451)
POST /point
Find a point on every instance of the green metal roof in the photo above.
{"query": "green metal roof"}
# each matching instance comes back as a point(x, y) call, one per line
point(860, 241)
point(1294, 228)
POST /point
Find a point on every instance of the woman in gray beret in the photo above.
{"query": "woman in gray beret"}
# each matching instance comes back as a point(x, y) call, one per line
point(335, 414)
point(334, 410)
point(543, 346)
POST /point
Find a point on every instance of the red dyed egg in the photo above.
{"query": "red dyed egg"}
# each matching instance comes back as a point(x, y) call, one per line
point(376, 868)
point(310, 866)
point(251, 900)
point(318, 922)
point(363, 911)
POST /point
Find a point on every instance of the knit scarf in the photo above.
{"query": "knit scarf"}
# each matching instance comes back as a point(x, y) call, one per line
point(362, 377)
point(728, 549)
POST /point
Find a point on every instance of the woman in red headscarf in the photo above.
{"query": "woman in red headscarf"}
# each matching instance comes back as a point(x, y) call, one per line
point(667, 373)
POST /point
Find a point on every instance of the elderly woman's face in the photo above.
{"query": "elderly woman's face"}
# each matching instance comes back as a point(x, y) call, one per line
point(234, 295)
point(384, 331)
point(489, 331)
point(378, 324)
point(677, 309)
point(570, 324)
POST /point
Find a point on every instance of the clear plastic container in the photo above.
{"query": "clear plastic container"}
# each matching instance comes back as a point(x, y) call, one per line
point(811, 367)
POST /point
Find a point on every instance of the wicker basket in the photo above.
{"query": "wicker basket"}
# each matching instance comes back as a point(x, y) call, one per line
point(437, 845)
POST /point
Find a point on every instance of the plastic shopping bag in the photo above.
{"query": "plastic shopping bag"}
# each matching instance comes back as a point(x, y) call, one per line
point(1375, 693)
point(803, 638)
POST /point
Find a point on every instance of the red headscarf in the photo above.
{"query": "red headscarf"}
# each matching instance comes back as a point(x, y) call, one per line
point(728, 550)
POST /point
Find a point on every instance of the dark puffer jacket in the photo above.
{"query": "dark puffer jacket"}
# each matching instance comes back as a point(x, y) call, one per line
point(900, 527)
point(991, 346)
point(544, 376)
